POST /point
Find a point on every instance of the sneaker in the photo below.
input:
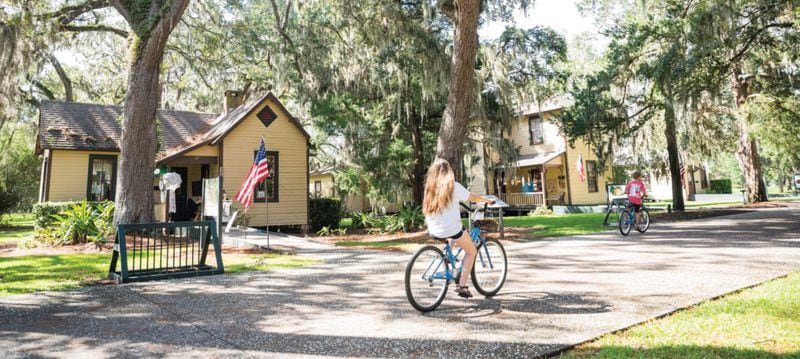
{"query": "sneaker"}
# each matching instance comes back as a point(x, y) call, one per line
point(463, 292)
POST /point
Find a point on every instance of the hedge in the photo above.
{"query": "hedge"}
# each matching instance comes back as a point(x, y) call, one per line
point(721, 186)
point(43, 212)
point(324, 212)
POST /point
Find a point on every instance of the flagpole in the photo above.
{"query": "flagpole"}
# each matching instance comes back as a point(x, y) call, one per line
point(266, 199)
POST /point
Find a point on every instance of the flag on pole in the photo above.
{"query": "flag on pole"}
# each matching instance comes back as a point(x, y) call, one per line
point(683, 175)
point(258, 172)
point(580, 168)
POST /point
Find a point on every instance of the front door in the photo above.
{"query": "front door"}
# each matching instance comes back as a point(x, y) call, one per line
point(184, 173)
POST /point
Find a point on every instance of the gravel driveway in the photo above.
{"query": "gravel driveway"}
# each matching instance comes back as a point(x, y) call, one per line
point(559, 292)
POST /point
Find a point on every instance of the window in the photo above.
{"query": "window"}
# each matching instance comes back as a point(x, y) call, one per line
point(535, 133)
point(102, 181)
point(317, 188)
point(591, 175)
point(267, 116)
point(268, 188)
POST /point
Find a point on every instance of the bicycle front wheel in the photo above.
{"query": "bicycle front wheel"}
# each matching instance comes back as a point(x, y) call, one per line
point(644, 220)
point(426, 279)
point(625, 222)
point(490, 269)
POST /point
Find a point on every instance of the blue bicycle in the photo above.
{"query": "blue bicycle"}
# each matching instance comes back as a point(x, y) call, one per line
point(431, 269)
point(627, 219)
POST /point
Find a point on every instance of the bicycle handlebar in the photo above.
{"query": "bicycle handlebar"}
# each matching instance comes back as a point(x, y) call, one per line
point(469, 209)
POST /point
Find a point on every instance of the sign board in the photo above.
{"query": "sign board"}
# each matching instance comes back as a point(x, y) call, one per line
point(211, 197)
point(797, 182)
point(497, 202)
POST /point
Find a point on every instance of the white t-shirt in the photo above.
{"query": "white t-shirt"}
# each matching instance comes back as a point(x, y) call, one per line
point(448, 222)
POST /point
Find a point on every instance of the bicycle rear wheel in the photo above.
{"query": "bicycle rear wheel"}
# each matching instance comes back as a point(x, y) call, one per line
point(625, 222)
point(490, 269)
point(426, 279)
point(644, 220)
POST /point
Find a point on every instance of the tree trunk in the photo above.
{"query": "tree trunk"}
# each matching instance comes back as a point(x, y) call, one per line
point(690, 188)
point(452, 132)
point(747, 153)
point(134, 194)
point(674, 161)
point(418, 167)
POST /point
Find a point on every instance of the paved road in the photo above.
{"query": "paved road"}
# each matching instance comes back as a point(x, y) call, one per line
point(560, 292)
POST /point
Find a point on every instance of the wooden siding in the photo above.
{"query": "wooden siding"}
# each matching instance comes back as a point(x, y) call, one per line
point(283, 137)
point(69, 174)
point(520, 135)
point(580, 189)
point(327, 185)
point(205, 150)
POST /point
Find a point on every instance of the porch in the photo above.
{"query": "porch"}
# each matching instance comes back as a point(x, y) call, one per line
point(533, 181)
point(189, 197)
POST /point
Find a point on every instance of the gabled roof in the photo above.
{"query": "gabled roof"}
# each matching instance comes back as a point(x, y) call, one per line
point(226, 122)
point(553, 104)
point(85, 126)
point(324, 170)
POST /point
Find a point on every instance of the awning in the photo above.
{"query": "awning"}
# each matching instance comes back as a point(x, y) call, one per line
point(534, 159)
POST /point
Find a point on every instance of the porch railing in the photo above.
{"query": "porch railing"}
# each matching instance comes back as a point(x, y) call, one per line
point(527, 199)
point(153, 251)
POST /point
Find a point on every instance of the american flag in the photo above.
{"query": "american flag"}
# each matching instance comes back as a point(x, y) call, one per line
point(258, 172)
point(683, 175)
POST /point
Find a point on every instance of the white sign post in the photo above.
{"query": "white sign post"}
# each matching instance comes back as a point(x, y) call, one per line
point(796, 183)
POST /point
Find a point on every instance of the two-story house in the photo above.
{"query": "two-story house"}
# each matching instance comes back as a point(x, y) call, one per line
point(548, 171)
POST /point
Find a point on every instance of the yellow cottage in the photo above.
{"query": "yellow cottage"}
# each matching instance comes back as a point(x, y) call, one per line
point(549, 171)
point(79, 145)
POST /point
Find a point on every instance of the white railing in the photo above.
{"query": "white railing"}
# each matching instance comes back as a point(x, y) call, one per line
point(528, 199)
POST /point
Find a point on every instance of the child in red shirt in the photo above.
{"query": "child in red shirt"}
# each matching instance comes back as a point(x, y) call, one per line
point(636, 191)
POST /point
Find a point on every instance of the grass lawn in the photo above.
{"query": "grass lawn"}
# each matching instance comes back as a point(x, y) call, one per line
point(560, 225)
point(27, 274)
point(18, 227)
point(761, 322)
point(18, 219)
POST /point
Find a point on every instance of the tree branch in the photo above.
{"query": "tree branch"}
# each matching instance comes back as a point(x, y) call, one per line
point(46, 91)
point(281, 26)
point(64, 78)
point(99, 28)
point(753, 38)
point(67, 14)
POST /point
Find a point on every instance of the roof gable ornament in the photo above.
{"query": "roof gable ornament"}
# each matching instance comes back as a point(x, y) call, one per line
point(267, 116)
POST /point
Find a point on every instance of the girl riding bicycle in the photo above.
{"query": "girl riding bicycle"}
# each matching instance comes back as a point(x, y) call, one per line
point(443, 217)
point(636, 191)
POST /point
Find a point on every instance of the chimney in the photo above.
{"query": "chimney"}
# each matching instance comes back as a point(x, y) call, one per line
point(233, 99)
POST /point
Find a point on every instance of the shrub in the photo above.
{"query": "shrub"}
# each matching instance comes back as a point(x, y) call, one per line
point(76, 224)
point(721, 186)
point(81, 222)
point(325, 212)
point(361, 219)
point(411, 218)
point(327, 231)
point(391, 224)
point(540, 211)
point(43, 212)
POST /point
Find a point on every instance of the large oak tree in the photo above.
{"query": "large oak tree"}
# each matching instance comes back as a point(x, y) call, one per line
point(151, 23)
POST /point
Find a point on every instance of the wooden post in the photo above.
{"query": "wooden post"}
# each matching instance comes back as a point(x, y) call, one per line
point(502, 227)
point(544, 193)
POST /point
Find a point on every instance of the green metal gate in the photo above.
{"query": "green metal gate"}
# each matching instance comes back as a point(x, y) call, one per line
point(154, 251)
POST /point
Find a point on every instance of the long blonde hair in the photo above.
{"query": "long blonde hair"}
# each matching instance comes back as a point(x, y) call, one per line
point(439, 183)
